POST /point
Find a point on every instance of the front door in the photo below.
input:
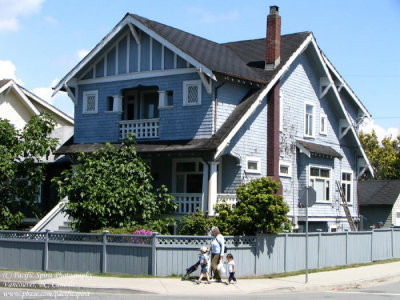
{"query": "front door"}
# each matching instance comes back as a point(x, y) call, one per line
point(132, 106)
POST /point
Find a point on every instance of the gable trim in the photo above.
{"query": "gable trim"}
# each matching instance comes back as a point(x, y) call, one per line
point(22, 96)
point(128, 19)
point(261, 96)
point(138, 75)
point(343, 84)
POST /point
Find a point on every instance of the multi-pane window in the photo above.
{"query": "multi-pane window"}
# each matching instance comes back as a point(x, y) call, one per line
point(90, 102)
point(347, 185)
point(309, 120)
point(320, 180)
point(192, 92)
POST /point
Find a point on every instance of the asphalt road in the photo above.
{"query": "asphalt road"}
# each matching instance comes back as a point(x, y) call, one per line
point(384, 290)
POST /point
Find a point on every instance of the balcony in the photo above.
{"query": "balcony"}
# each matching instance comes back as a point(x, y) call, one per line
point(143, 129)
point(189, 203)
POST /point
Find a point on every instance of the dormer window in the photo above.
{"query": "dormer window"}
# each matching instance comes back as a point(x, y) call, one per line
point(90, 102)
point(191, 92)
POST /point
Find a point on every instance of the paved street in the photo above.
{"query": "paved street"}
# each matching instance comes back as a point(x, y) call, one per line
point(383, 290)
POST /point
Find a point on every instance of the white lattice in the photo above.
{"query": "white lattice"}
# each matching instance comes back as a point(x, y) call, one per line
point(143, 129)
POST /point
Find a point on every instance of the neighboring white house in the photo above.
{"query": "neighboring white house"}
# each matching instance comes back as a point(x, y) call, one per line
point(18, 105)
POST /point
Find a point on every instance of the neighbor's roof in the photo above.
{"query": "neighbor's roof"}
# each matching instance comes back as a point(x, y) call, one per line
point(378, 192)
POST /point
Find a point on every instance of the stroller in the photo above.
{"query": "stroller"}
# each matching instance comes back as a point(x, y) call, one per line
point(190, 270)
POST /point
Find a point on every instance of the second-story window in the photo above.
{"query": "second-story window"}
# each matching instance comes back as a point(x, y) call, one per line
point(90, 102)
point(323, 128)
point(191, 92)
point(309, 120)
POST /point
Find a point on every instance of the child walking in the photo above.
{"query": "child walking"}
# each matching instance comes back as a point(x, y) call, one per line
point(231, 269)
point(204, 265)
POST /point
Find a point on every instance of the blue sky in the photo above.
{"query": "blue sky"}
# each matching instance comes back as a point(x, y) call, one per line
point(41, 40)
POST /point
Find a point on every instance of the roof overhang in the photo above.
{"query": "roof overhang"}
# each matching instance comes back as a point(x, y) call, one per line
point(310, 149)
point(129, 20)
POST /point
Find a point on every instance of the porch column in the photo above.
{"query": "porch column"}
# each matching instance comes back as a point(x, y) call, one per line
point(212, 188)
point(205, 187)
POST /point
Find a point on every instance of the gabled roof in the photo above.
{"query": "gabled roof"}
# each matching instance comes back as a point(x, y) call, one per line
point(31, 100)
point(230, 59)
point(378, 192)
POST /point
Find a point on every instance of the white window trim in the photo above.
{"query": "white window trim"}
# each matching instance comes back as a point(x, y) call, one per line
point(313, 119)
point(289, 165)
point(84, 104)
point(330, 180)
point(188, 83)
point(351, 183)
point(323, 132)
point(256, 160)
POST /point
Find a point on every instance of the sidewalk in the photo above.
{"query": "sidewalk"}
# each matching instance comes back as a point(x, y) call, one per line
point(322, 281)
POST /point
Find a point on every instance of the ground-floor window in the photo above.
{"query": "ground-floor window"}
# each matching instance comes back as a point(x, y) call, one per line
point(320, 180)
point(188, 177)
point(347, 185)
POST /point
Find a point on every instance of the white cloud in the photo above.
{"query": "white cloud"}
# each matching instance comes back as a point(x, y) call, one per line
point(46, 92)
point(51, 20)
point(7, 71)
point(82, 53)
point(11, 11)
point(208, 17)
point(381, 132)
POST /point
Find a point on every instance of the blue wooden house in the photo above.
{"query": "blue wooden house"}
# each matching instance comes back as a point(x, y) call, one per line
point(209, 117)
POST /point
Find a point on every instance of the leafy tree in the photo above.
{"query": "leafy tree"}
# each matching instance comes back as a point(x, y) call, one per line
point(259, 210)
point(112, 187)
point(22, 167)
point(384, 157)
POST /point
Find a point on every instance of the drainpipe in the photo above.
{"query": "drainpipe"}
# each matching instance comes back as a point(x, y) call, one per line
point(216, 106)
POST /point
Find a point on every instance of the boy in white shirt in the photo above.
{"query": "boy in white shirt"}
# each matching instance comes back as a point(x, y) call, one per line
point(231, 269)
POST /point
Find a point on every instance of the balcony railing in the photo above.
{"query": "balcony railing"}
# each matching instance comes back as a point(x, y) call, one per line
point(143, 129)
point(189, 203)
point(230, 199)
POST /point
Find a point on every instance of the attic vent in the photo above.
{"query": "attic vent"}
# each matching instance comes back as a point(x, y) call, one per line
point(192, 92)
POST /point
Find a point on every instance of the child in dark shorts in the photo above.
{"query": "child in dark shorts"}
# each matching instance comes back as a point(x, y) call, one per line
point(204, 265)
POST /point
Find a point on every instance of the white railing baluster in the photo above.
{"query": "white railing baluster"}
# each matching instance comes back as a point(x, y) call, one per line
point(143, 129)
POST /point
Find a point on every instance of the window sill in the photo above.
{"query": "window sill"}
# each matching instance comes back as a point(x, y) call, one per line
point(309, 137)
point(285, 175)
point(165, 107)
point(89, 113)
point(191, 105)
point(112, 112)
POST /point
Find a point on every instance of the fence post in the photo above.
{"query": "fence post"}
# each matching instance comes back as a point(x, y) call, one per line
point(392, 244)
point(319, 250)
point(153, 254)
point(285, 253)
point(104, 255)
point(46, 251)
point(347, 247)
point(372, 244)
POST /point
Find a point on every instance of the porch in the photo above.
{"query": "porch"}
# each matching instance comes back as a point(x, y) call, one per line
point(190, 203)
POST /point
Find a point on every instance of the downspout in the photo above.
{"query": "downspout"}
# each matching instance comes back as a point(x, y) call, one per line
point(216, 105)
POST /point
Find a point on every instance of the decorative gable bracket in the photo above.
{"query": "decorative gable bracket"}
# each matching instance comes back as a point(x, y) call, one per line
point(303, 149)
point(344, 127)
point(134, 33)
point(70, 93)
point(325, 85)
point(207, 82)
point(363, 166)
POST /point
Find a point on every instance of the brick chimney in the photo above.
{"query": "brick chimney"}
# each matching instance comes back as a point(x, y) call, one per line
point(273, 43)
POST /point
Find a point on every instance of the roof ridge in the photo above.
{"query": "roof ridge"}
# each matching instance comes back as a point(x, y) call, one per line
point(259, 39)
